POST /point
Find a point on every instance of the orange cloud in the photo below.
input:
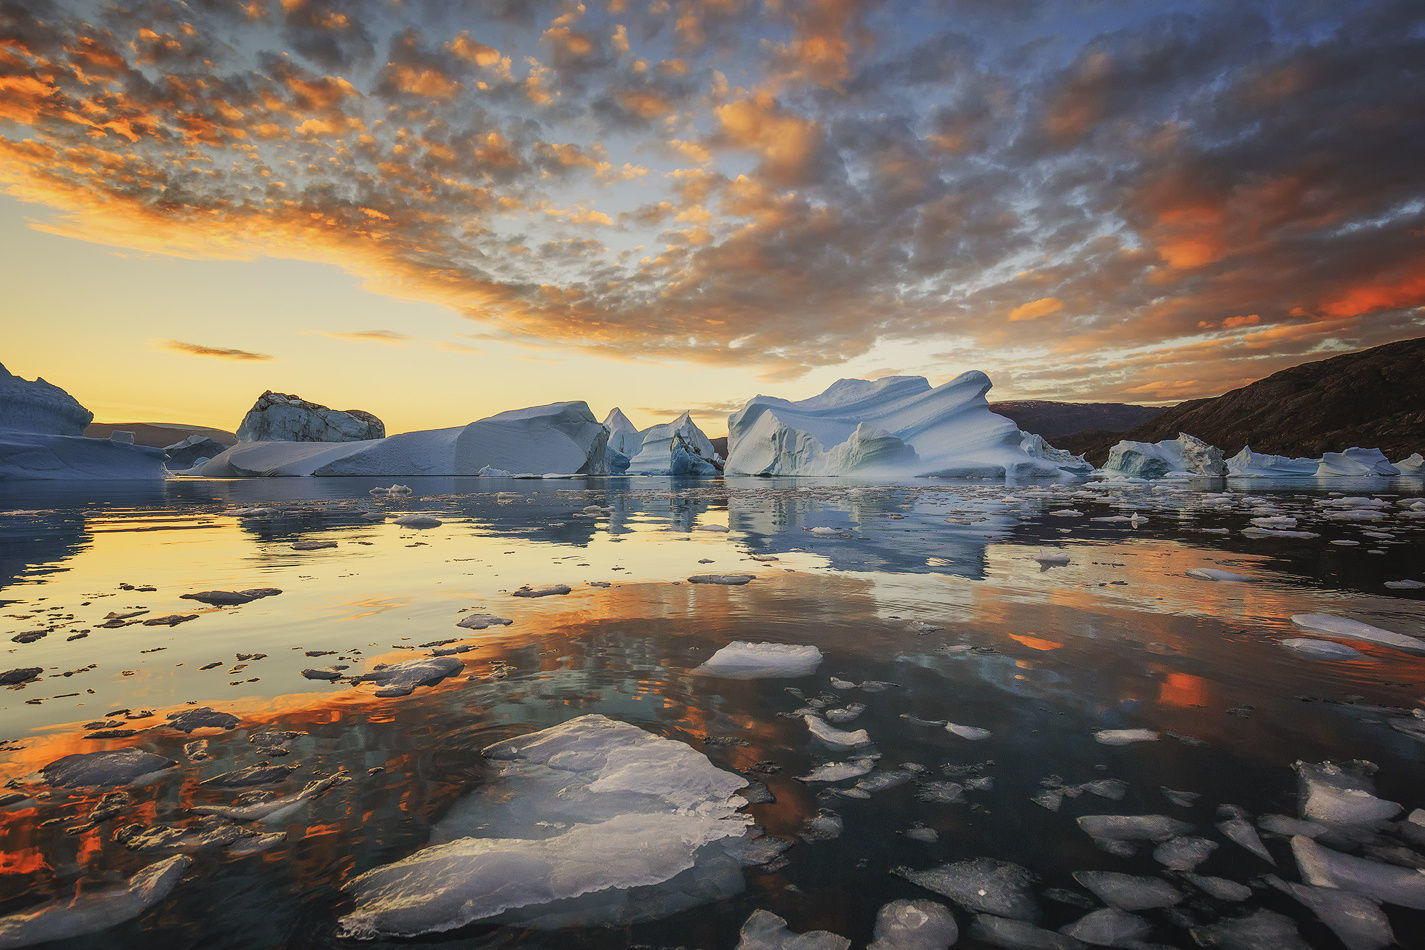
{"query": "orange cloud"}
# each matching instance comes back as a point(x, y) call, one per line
point(1035, 309)
point(221, 352)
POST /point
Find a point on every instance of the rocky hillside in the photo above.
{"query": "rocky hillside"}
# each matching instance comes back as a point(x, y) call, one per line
point(1374, 399)
point(1055, 419)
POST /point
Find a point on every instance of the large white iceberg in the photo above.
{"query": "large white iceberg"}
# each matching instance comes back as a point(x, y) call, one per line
point(592, 822)
point(1355, 462)
point(278, 417)
point(894, 427)
point(39, 406)
point(1249, 464)
point(561, 438)
point(1181, 457)
point(1411, 465)
point(675, 448)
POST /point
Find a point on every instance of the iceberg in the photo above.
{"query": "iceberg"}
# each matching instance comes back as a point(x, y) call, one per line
point(94, 911)
point(1355, 462)
point(1249, 464)
point(560, 438)
point(191, 451)
point(743, 660)
point(898, 426)
point(675, 448)
point(1412, 465)
point(1182, 457)
point(593, 822)
point(39, 406)
point(278, 417)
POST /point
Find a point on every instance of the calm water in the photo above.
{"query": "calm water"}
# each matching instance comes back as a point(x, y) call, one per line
point(935, 588)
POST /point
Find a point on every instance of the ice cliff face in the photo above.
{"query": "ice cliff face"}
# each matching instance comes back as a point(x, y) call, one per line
point(38, 406)
point(1249, 464)
point(1355, 462)
point(1182, 456)
point(278, 417)
point(562, 438)
point(894, 427)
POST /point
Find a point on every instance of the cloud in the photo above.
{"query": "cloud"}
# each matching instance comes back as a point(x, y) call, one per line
point(1035, 309)
point(221, 352)
point(390, 337)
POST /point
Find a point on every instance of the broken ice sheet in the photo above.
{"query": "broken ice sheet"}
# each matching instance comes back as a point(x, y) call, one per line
point(743, 660)
point(593, 822)
point(983, 885)
point(94, 911)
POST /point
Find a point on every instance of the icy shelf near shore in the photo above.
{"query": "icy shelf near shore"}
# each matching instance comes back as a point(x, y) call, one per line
point(894, 427)
point(593, 822)
point(560, 438)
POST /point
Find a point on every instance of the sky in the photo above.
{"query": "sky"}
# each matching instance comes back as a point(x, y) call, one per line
point(435, 210)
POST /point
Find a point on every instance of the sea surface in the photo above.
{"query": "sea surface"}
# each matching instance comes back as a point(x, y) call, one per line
point(1042, 614)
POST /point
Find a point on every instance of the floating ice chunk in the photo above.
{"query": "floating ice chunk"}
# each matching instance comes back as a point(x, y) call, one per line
point(1129, 891)
point(94, 911)
point(1278, 522)
point(481, 621)
point(1133, 827)
point(1348, 629)
point(1412, 465)
point(554, 590)
point(401, 679)
point(1389, 883)
point(418, 521)
point(1355, 462)
point(1109, 927)
point(973, 733)
point(231, 598)
point(983, 885)
point(203, 717)
point(840, 771)
point(1337, 796)
point(1183, 853)
point(914, 925)
point(836, 738)
point(825, 825)
point(764, 930)
point(1358, 921)
point(1018, 935)
point(1215, 574)
point(1261, 930)
point(1321, 649)
point(846, 713)
point(725, 580)
point(274, 809)
point(1405, 584)
point(1125, 736)
point(115, 767)
point(743, 660)
point(592, 822)
point(1287, 827)
point(1049, 557)
point(1255, 532)
point(1220, 887)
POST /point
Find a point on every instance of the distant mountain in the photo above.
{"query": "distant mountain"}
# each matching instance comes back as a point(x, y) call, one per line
point(1055, 419)
point(158, 434)
point(720, 445)
point(1374, 398)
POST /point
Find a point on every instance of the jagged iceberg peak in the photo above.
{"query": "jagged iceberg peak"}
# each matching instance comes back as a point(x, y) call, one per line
point(675, 448)
point(39, 406)
point(898, 426)
point(1249, 464)
point(624, 438)
point(280, 417)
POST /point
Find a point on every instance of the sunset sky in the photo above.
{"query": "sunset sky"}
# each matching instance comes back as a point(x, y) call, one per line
point(435, 210)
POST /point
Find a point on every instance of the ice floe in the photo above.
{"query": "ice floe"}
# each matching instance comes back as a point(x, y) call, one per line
point(1349, 629)
point(764, 930)
point(983, 885)
point(913, 925)
point(94, 910)
point(741, 659)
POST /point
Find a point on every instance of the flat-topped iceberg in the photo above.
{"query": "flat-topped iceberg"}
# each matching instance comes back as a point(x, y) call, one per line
point(1181, 457)
point(557, 439)
point(592, 822)
point(894, 427)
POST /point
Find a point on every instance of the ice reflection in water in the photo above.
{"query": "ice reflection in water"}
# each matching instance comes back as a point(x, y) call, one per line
point(937, 589)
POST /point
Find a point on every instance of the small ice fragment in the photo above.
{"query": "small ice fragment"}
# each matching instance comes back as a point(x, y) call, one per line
point(973, 733)
point(914, 925)
point(1358, 921)
point(1051, 558)
point(846, 713)
point(94, 911)
point(764, 930)
point(1125, 736)
point(1349, 629)
point(1262, 929)
point(1321, 649)
point(1133, 827)
point(726, 580)
point(1180, 798)
point(825, 825)
point(1183, 853)
point(836, 738)
point(1405, 584)
point(743, 660)
point(1389, 883)
point(116, 767)
point(983, 885)
point(1331, 794)
point(1108, 927)
point(553, 590)
point(1018, 935)
point(401, 679)
point(481, 621)
point(1129, 891)
point(839, 771)
point(418, 521)
point(842, 684)
point(1215, 574)
point(1220, 887)
point(274, 809)
point(1239, 831)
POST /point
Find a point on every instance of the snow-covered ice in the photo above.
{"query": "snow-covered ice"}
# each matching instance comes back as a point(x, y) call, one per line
point(898, 426)
point(743, 660)
point(983, 885)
